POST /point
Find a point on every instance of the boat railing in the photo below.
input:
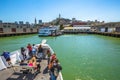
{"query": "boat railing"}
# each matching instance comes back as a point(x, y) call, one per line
point(60, 76)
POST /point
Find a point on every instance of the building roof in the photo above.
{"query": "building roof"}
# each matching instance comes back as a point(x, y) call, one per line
point(77, 28)
point(79, 23)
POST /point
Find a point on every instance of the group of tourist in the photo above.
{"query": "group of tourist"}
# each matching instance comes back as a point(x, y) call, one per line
point(53, 66)
point(53, 63)
point(32, 62)
point(38, 53)
point(32, 51)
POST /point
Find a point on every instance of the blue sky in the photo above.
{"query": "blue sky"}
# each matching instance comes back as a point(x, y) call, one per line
point(47, 10)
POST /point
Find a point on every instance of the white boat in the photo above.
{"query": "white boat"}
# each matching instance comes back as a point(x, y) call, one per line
point(49, 31)
point(17, 57)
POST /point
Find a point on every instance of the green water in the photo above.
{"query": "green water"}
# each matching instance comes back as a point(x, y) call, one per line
point(83, 57)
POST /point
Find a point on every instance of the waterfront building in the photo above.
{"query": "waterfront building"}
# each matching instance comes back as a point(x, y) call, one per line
point(108, 27)
point(15, 28)
point(77, 29)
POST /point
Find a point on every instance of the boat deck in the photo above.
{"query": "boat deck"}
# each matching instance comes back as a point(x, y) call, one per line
point(14, 73)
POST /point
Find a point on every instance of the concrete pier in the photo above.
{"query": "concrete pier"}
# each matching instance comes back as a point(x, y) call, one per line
point(108, 34)
point(115, 34)
point(15, 34)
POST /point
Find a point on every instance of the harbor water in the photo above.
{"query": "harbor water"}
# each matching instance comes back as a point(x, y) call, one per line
point(83, 57)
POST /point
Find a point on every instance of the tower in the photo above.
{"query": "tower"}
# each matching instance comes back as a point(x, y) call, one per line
point(59, 16)
point(35, 21)
point(59, 20)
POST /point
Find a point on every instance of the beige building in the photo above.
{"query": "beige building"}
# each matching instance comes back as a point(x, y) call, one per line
point(108, 27)
point(6, 28)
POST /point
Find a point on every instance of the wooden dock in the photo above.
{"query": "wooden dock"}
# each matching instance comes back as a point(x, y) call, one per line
point(15, 73)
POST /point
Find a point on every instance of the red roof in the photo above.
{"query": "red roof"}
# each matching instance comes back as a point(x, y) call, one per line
point(79, 23)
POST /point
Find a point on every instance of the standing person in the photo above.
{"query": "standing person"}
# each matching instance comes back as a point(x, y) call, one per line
point(56, 68)
point(50, 65)
point(51, 70)
point(38, 67)
point(40, 51)
point(23, 52)
point(7, 57)
point(48, 55)
point(53, 56)
point(34, 50)
point(29, 50)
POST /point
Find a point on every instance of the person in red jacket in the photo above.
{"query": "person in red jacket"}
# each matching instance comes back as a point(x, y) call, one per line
point(29, 50)
point(53, 56)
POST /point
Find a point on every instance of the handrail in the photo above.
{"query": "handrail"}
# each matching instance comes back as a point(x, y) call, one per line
point(60, 76)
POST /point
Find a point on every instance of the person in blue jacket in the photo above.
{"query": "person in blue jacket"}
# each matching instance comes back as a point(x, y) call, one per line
point(7, 56)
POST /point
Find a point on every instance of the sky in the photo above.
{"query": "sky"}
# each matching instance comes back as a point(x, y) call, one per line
point(47, 10)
